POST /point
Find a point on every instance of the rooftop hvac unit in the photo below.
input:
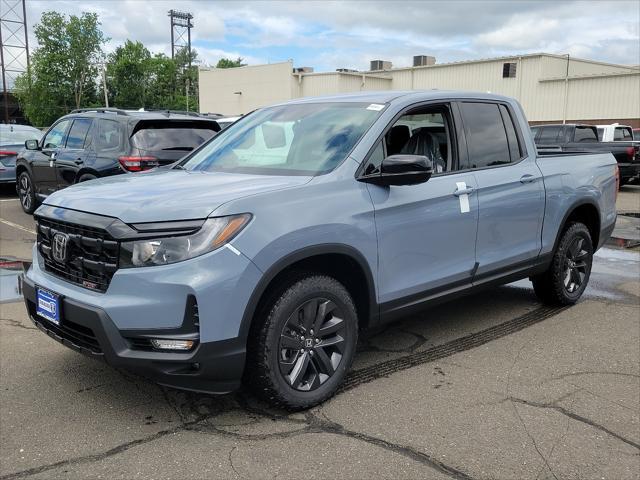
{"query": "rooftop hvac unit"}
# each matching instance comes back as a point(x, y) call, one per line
point(423, 60)
point(346, 70)
point(303, 70)
point(380, 65)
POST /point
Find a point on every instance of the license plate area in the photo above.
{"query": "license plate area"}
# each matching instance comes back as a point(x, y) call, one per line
point(48, 305)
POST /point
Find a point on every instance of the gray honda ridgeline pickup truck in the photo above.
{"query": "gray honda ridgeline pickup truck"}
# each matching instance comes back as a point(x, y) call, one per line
point(259, 256)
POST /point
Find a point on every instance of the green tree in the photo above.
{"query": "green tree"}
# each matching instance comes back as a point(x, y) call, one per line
point(64, 67)
point(228, 63)
point(128, 75)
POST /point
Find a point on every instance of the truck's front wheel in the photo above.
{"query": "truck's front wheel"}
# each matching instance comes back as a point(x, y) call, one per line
point(567, 277)
point(300, 353)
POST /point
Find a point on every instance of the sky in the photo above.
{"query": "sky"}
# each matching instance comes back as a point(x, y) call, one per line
point(327, 35)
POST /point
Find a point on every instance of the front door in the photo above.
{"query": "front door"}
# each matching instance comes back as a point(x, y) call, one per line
point(43, 163)
point(426, 232)
point(71, 159)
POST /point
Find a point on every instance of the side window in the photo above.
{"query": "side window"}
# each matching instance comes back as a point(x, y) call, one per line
point(108, 136)
point(585, 134)
point(375, 159)
point(514, 145)
point(486, 136)
point(55, 137)
point(622, 133)
point(549, 135)
point(78, 133)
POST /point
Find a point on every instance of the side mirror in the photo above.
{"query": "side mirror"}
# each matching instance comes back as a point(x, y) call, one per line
point(402, 170)
point(31, 144)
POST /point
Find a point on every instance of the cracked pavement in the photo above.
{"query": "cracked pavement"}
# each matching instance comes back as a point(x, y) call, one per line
point(491, 386)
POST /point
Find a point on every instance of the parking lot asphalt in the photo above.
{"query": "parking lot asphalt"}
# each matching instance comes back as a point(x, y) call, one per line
point(490, 386)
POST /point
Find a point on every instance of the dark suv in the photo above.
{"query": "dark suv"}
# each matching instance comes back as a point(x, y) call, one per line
point(92, 143)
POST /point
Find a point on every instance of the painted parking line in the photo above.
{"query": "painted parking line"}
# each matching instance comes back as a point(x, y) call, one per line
point(9, 200)
point(19, 227)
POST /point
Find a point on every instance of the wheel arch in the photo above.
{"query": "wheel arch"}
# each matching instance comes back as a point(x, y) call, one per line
point(586, 212)
point(342, 262)
point(85, 170)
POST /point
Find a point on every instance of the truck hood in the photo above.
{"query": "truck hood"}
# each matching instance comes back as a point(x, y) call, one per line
point(165, 195)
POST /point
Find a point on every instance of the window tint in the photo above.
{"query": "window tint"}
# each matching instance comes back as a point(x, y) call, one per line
point(622, 133)
point(78, 133)
point(108, 135)
point(600, 133)
point(512, 137)
point(163, 135)
point(487, 139)
point(585, 134)
point(55, 137)
point(549, 135)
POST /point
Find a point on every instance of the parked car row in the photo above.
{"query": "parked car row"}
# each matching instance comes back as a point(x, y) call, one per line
point(93, 143)
point(258, 256)
point(617, 139)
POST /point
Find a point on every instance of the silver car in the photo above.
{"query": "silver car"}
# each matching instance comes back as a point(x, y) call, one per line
point(12, 138)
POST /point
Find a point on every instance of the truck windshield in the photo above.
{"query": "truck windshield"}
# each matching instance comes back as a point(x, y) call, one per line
point(303, 139)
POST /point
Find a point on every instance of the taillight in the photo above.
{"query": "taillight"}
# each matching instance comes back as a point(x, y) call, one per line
point(617, 181)
point(631, 152)
point(7, 153)
point(138, 164)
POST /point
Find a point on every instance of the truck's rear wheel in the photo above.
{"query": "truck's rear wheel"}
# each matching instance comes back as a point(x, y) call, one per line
point(302, 350)
point(567, 277)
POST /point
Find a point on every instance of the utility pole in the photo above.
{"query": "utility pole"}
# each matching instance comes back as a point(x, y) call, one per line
point(14, 48)
point(104, 85)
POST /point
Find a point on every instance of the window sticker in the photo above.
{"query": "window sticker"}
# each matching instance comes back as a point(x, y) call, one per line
point(376, 107)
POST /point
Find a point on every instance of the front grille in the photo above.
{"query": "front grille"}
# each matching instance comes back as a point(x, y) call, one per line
point(92, 255)
point(78, 335)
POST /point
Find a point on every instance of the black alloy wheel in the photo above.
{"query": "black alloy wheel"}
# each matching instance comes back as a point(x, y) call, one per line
point(575, 266)
point(26, 193)
point(312, 344)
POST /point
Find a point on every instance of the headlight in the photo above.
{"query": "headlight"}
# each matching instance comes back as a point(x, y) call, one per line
point(214, 233)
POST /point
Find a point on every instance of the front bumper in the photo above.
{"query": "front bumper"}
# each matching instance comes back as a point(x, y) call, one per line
point(212, 367)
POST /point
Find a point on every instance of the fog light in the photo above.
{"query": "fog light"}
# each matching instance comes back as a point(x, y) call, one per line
point(172, 344)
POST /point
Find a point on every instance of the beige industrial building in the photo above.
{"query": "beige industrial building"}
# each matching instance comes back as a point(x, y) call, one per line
point(551, 88)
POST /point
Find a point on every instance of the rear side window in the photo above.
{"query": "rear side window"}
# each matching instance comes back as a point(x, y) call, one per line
point(549, 135)
point(167, 136)
point(78, 133)
point(585, 134)
point(622, 133)
point(486, 135)
point(108, 136)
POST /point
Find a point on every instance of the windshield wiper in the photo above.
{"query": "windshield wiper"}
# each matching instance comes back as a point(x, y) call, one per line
point(178, 148)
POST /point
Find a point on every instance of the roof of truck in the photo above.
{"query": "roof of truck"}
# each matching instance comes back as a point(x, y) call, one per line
point(386, 96)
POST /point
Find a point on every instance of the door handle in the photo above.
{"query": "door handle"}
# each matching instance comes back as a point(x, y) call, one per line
point(53, 155)
point(464, 191)
point(527, 178)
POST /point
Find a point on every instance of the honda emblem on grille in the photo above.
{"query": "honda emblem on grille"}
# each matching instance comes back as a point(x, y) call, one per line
point(59, 247)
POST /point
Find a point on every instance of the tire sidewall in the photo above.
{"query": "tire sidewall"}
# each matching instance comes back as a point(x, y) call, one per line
point(283, 308)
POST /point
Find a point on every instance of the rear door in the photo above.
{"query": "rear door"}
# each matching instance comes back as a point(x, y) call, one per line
point(43, 163)
point(71, 159)
point(169, 140)
point(510, 188)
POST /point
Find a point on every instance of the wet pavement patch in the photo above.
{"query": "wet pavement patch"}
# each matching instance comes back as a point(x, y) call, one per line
point(10, 273)
point(627, 231)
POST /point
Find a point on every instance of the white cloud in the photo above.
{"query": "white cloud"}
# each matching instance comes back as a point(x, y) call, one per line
point(342, 34)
